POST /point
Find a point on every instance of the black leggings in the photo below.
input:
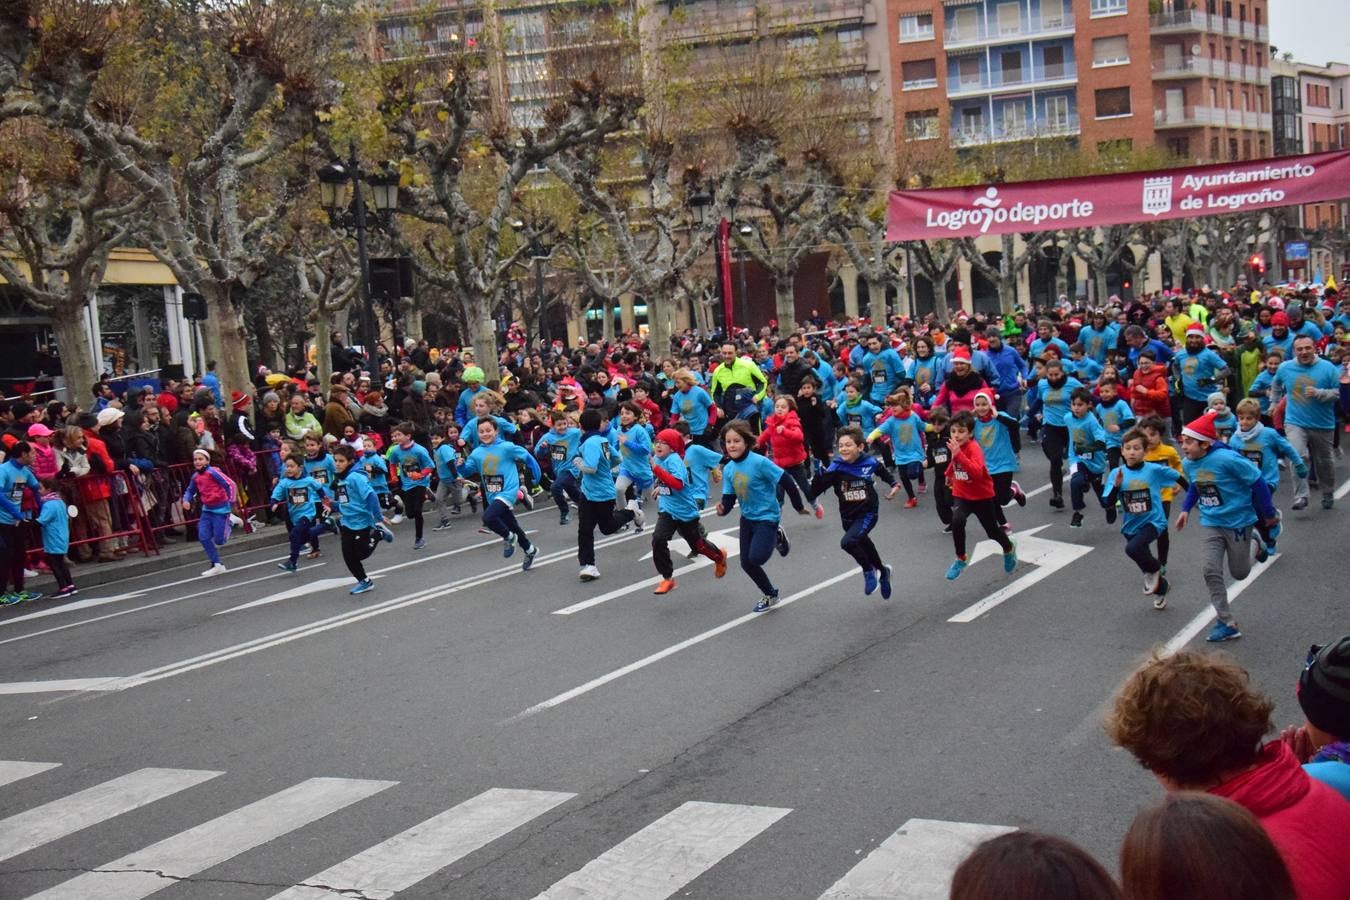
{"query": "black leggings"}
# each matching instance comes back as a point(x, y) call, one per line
point(413, 498)
point(908, 472)
point(1054, 443)
point(857, 543)
point(1137, 548)
point(501, 519)
point(667, 526)
point(356, 549)
point(593, 514)
point(986, 511)
point(61, 571)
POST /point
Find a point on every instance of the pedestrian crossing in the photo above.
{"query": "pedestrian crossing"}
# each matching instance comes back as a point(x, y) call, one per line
point(655, 862)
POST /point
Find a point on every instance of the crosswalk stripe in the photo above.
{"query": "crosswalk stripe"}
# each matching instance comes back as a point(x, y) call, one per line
point(915, 863)
point(43, 824)
point(185, 854)
point(423, 850)
point(12, 770)
point(660, 859)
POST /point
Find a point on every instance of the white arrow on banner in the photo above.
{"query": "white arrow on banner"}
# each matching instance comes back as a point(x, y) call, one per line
point(1046, 555)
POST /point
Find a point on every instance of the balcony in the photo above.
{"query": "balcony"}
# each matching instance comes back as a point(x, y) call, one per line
point(1188, 20)
point(1005, 133)
point(991, 33)
point(1188, 67)
point(820, 13)
point(1042, 76)
point(1210, 116)
point(709, 26)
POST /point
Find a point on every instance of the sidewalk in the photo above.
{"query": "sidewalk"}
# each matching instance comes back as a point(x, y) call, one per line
point(184, 552)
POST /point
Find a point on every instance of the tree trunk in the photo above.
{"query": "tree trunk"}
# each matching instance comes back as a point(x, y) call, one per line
point(414, 320)
point(785, 303)
point(1065, 263)
point(72, 341)
point(607, 321)
point(940, 299)
point(323, 350)
point(262, 333)
point(1007, 278)
point(483, 335)
point(876, 300)
point(1099, 285)
point(225, 335)
point(660, 309)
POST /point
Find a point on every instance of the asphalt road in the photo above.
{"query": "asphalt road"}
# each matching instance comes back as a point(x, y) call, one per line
point(452, 734)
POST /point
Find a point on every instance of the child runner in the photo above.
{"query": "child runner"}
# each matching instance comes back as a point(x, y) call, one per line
point(856, 410)
point(1231, 494)
point(299, 493)
point(217, 493)
point(494, 461)
point(596, 507)
point(851, 474)
point(1053, 392)
point(446, 456)
point(939, 457)
point(376, 469)
point(991, 433)
point(1087, 455)
point(54, 520)
point(635, 454)
point(1116, 418)
point(362, 519)
point(785, 441)
point(904, 428)
point(17, 481)
point(1264, 446)
point(1140, 484)
point(972, 495)
point(317, 464)
point(561, 446)
point(693, 405)
point(753, 479)
point(1225, 423)
point(677, 511)
point(414, 467)
point(1157, 450)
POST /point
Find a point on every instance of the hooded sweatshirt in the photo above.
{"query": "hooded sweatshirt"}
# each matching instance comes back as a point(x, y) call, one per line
point(784, 437)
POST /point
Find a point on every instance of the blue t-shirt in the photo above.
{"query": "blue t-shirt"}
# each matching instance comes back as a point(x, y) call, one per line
point(1197, 372)
point(447, 461)
point(495, 464)
point(692, 406)
point(753, 479)
point(54, 521)
point(1263, 447)
point(906, 437)
point(1292, 377)
point(561, 449)
point(635, 454)
point(1096, 343)
point(1286, 343)
point(464, 408)
point(1085, 370)
point(320, 468)
point(863, 414)
point(884, 373)
point(992, 436)
point(356, 500)
point(1038, 347)
point(1333, 773)
point(1085, 434)
point(680, 505)
point(470, 430)
point(408, 463)
point(1141, 495)
point(1260, 389)
point(596, 453)
point(1055, 400)
point(699, 461)
point(15, 480)
point(377, 471)
point(927, 370)
point(300, 495)
point(1225, 425)
point(1118, 414)
point(1222, 480)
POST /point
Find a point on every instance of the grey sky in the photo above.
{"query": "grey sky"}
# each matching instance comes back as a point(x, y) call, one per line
point(1313, 30)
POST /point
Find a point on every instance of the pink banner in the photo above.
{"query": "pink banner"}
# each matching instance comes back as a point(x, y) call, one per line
point(1117, 199)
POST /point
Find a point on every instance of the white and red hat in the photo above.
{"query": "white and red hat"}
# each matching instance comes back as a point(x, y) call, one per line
point(960, 353)
point(1202, 429)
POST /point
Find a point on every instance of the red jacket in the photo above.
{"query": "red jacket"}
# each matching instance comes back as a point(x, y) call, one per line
point(1306, 820)
point(100, 464)
point(783, 436)
point(968, 476)
point(1155, 402)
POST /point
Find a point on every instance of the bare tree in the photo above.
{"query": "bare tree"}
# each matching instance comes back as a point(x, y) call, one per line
point(937, 260)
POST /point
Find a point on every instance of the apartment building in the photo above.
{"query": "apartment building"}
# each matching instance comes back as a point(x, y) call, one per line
point(1311, 105)
point(1101, 73)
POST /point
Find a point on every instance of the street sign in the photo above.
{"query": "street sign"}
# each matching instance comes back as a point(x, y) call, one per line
point(1296, 251)
point(1046, 555)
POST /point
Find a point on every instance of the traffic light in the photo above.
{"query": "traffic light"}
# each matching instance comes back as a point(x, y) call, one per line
point(1257, 263)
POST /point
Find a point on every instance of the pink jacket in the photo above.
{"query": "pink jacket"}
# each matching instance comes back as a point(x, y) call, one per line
point(45, 464)
point(214, 487)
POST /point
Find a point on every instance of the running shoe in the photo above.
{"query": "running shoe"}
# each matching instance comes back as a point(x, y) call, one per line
point(820, 510)
point(509, 545)
point(28, 596)
point(768, 601)
point(1076, 521)
point(456, 508)
point(67, 591)
point(665, 587)
point(869, 582)
point(781, 542)
point(885, 580)
point(1262, 554)
point(420, 544)
point(564, 518)
point(289, 566)
point(385, 534)
point(1160, 602)
point(1151, 581)
point(396, 518)
point(527, 500)
point(639, 517)
point(530, 554)
point(314, 554)
point(1223, 632)
point(911, 502)
point(363, 586)
point(923, 488)
point(1328, 501)
point(9, 599)
point(235, 521)
point(1057, 501)
point(1010, 558)
point(589, 573)
point(1300, 503)
point(720, 565)
point(955, 569)
point(1111, 514)
point(217, 569)
point(442, 525)
point(1018, 494)
point(946, 529)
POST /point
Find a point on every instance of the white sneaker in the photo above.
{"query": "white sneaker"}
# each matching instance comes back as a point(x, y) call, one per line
point(217, 569)
point(639, 517)
point(1151, 582)
point(395, 518)
point(235, 521)
point(29, 573)
point(589, 573)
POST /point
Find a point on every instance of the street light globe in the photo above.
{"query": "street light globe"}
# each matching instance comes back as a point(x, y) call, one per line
point(384, 189)
point(335, 190)
point(747, 230)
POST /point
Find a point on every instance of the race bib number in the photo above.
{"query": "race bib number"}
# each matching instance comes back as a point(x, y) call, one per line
point(320, 475)
point(879, 376)
point(299, 496)
point(854, 419)
point(662, 490)
point(1137, 502)
point(494, 484)
point(341, 493)
point(1254, 455)
point(16, 494)
point(855, 492)
point(1210, 498)
point(961, 475)
point(941, 455)
point(559, 453)
point(411, 470)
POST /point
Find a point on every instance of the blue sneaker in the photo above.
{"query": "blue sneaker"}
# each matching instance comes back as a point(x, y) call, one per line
point(956, 568)
point(363, 586)
point(869, 581)
point(1223, 632)
point(766, 602)
point(27, 596)
point(385, 534)
point(10, 599)
point(529, 558)
point(1010, 558)
point(885, 580)
point(289, 566)
point(420, 544)
point(781, 542)
point(509, 545)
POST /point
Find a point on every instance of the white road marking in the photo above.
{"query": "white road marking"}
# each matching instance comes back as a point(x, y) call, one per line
point(915, 863)
point(59, 686)
point(1048, 556)
point(722, 539)
point(672, 650)
point(1206, 616)
point(1040, 490)
point(668, 854)
point(185, 854)
point(15, 770)
point(423, 850)
point(43, 824)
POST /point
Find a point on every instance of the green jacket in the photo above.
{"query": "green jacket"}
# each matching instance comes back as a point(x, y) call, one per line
point(742, 371)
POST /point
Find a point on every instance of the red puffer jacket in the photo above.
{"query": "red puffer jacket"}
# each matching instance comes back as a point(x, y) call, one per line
point(783, 437)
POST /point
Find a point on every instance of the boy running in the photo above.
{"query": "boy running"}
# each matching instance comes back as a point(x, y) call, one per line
point(1140, 485)
point(677, 511)
point(851, 474)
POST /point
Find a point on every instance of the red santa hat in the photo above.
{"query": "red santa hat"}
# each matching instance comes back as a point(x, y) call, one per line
point(1202, 429)
point(1197, 328)
point(987, 393)
point(960, 352)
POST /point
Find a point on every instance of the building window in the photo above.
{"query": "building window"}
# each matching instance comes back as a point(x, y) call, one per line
point(918, 74)
point(968, 71)
point(917, 27)
point(1016, 115)
point(1213, 148)
point(853, 83)
point(802, 41)
point(1110, 51)
point(1009, 18)
point(1107, 8)
point(396, 35)
point(1232, 149)
point(1179, 147)
point(1113, 103)
point(1052, 63)
point(922, 125)
point(1057, 113)
point(849, 37)
point(1261, 144)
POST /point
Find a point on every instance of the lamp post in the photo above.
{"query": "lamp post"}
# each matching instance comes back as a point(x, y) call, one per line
point(341, 196)
point(539, 251)
point(699, 199)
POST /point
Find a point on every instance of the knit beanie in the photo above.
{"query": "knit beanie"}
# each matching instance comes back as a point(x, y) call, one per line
point(1324, 689)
